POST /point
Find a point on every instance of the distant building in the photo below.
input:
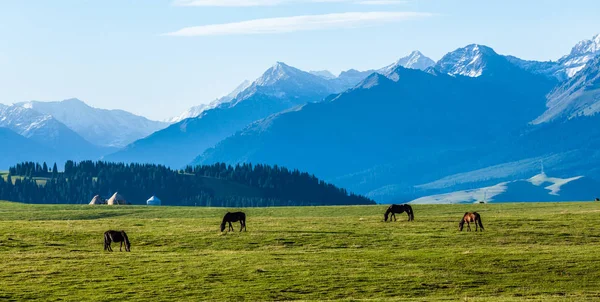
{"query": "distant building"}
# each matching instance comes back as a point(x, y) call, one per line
point(153, 201)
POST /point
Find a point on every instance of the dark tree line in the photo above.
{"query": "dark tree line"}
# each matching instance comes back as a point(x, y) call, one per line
point(31, 169)
point(244, 185)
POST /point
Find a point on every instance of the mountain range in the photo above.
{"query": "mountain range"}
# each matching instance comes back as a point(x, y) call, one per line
point(70, 129)
point(280, 88)
point(102, 127)
point(474, 109)
point(387, 127)
point(415, 128)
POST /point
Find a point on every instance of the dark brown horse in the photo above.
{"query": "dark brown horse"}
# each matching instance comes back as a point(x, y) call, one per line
point(116, 236)
point(398, 209)
point(468, 218)
point(233, 217)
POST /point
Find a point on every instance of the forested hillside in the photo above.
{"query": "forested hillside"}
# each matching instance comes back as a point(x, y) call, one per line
point(209, 185)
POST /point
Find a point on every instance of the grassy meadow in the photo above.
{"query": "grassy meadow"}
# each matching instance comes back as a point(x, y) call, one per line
point(529, 251)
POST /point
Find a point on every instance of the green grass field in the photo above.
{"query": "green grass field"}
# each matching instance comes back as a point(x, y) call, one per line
point(39, 180)
point(539, 251)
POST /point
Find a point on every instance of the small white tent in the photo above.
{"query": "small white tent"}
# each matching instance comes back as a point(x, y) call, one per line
point(153, 201)
point(97, 200)
point(116, 199)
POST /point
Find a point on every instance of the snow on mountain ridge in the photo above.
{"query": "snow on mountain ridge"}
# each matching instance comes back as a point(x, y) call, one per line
point(197, 110)
point(102, 127)
point(579, 96)
point(466, 61)
point(583, 52)
point(415, 60)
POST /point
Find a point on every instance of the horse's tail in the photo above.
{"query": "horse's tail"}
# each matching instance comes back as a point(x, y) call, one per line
point(126, 239)
point(410, 212)
point(106, 240)
point(479, 221)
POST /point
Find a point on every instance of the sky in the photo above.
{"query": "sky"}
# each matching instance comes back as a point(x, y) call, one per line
point(158, 58)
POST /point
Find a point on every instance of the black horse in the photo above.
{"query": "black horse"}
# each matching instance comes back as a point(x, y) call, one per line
point(233, 217)
point(398, 209)
point(116, 236)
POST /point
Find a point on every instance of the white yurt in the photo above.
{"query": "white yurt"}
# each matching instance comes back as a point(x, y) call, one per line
point(116, 199)
point(153, 201)
point(97, 200)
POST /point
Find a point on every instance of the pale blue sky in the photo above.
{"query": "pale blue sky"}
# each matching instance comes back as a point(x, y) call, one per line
point(119, 54)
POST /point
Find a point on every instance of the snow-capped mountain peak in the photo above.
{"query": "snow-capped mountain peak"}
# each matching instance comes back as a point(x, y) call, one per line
point(587, 46)
point(580, 55)
point(415, 60)
point(277, 72)
point(468, 61)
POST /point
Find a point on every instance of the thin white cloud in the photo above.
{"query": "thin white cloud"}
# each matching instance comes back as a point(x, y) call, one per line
point(248, 3)
point(299, 23)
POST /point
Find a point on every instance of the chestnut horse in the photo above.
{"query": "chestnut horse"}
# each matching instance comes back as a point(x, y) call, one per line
point(399, 209)
point(468, 218)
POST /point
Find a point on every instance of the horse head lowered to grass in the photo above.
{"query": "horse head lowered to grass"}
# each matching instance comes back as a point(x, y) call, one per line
point(398, 209)
point(468, 218)
point(233, 217)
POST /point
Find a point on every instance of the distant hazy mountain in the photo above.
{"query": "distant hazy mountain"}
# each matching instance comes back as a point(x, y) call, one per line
point(538, 188)
point(549, 68)
point(326, 74)
point(281, 87)
point(197, 110)
point(382, 131)
point(348, 79)
point(54, 140)
point(42, 128)
point(579, 96)
point(111, 128)
point(17, 148)
point(567, 66)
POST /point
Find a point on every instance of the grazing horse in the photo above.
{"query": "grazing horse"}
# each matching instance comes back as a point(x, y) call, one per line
point(468, 218)
point(233, 217)
point(116, 236)
point(399, 209)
